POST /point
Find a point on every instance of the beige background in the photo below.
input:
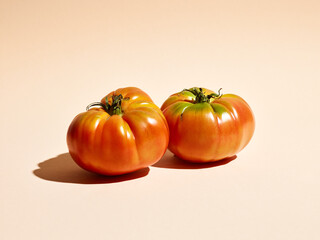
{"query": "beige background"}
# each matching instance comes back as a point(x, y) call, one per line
point(58, 56)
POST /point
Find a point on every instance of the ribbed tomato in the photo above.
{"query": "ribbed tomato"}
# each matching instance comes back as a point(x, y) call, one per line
point(206, 126)
point(124, 132)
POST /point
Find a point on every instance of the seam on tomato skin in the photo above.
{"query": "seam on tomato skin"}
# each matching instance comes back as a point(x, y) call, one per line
point(183, 112)
point(214, 111)
point(224, 104)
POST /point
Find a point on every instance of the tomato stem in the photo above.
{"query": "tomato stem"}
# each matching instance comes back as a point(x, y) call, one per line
point(114, 108)
point(201, 97)
point(96, 104)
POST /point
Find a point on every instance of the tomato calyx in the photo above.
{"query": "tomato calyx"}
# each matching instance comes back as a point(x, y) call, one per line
point(112, 109)
point(201, 97)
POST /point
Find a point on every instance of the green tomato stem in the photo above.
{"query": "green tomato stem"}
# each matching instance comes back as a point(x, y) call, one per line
point(201, 97)
point(112, 109)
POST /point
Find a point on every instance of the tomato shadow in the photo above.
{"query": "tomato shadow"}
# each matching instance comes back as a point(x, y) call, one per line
point(63, 169)
point(169, 160)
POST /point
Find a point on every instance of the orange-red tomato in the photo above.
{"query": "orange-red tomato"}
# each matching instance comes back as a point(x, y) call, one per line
point(206, 126)
point(126, 132)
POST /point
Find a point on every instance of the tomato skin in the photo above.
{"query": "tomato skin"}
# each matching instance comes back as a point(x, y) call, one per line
point(207, 131)
point(118, 144)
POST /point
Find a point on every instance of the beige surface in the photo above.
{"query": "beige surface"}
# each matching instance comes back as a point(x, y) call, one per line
point(59, 56)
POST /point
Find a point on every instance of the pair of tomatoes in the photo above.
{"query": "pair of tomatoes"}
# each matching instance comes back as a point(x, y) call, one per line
point(126, 131)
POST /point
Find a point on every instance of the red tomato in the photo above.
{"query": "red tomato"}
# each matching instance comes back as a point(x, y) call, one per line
point(205, 126)
point(126, 132)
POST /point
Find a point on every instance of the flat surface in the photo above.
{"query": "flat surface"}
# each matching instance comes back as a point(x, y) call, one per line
point(56, 57)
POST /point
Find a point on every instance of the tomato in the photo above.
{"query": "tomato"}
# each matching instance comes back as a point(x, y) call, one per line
point(206, 126)
point(124, 132)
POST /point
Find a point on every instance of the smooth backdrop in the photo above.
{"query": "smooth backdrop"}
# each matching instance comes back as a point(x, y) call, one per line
point(58, 56)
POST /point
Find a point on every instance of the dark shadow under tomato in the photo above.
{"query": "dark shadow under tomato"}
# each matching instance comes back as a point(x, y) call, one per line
point(63, 169)
point(169, 160)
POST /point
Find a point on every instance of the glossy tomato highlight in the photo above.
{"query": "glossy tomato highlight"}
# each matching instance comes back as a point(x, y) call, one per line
point(124, 132)
point(206, 126)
